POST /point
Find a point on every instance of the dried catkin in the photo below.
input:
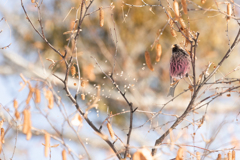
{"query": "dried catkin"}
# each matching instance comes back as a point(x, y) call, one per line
point(142, 154)
point(17, 114)
point(73, 70)
point(47, 144)
point(2, 135)
point(182, 23)
point(37, 95)
point(29, 94)
point(110, 130)
point(188, 37)
point(169, 15)
point(101, 17)
point(229, 155)
point(25, 121)
point(233, 155)
point(0, 144)
point(174, 34)
point(184, 5)
point(50, 98)
point(29, 134)
point(179, 154)
point(198, 156)
point(15, 104)
point(176, 9)
point(83, 96)
point(159, 52)
point(64, 155)
point(229, 11)
point(148, 61)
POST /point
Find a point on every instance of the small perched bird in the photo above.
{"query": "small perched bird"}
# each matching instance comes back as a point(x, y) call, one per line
point(180, 63)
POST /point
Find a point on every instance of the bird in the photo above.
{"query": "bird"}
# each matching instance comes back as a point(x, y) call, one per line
point(180, 64)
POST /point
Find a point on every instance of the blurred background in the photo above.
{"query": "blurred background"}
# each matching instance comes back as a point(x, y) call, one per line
point(137, 30)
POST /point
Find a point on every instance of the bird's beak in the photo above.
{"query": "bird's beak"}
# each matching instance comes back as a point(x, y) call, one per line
point(174, 45)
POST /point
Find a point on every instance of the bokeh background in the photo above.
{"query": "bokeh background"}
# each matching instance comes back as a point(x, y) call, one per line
point(136, 31)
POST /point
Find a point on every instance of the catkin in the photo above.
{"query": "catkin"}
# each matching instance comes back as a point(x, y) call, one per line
point(229, 11)
point(148, 61)
point(233, 155)
point(27, 124)
point(47, 144)
point(2, 135)
point(159, 52)
point(15, 104)
point(73, 70)
point(37, 95)
point(182, 23)
point(64, 155)
point(83, 96)
point(25, 121)
point(184, 5)
point(188, 37)
point(49, 97)
point(198, 156)
point(179, 154)
point(29, 134)
point(17, 114)
point(142, 154)
point(33, 1)
point(101, 17)
point(229, 155)
point(169, 15)
point(219, 157)
point(0, 144)
point(110, 130)
point(203, 1)
point(29, 95)
point(174, 34)
point(176, 9)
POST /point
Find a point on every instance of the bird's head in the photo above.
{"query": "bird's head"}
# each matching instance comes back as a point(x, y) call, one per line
point(175, 48)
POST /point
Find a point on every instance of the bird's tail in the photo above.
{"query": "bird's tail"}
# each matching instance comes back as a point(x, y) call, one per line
point(172, 89)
